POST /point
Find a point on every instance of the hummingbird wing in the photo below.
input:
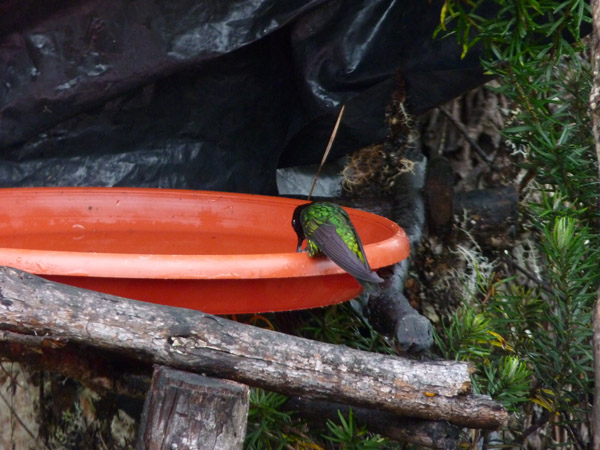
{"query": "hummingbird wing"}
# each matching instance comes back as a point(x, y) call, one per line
point(332, 245)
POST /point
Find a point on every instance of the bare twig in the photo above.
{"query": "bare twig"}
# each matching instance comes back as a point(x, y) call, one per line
point(16, 416)
point(460, 127)
point(539, 423)
point(543, 284)
point(327, 150)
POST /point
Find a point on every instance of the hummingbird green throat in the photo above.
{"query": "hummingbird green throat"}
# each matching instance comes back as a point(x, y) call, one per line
point(329, 231)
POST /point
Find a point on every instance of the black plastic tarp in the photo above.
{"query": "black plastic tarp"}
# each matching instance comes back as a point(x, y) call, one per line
point(207, 94)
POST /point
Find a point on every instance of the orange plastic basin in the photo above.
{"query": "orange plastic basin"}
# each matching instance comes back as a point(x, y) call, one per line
point(221, 253)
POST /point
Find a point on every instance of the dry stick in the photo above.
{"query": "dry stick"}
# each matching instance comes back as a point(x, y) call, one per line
point(595, 113)
point(327, 149)
point(460, 127)
point(543, 284)
point(15, 415)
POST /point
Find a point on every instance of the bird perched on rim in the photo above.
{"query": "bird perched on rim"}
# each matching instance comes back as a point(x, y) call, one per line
point(329, 231)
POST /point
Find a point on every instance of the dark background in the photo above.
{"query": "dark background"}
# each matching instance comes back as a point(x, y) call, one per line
point(208, 94)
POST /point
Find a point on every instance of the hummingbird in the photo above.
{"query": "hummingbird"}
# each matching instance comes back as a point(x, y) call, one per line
point(328, 230)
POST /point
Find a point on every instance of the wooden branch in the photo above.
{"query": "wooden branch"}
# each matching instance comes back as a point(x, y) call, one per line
point(198, 342)
point(114, 373)
point(472, 142)
point(187, 411)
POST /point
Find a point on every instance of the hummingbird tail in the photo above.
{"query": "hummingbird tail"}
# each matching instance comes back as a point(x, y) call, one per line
point(332, 245)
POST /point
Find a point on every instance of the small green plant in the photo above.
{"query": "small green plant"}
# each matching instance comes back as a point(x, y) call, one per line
point(269, 427)
point(470, 336)
point(519, 31)
point(341, 324)
point(563, 343)
point(508, 380)
point(349, 436)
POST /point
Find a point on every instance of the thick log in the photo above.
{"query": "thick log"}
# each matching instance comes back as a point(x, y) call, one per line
point(187, 411)
point(194, 341)
point(489, 210)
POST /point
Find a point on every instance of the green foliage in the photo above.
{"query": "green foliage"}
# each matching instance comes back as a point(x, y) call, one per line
point(349, 436)
point(267, 423)
point(469, 336)
point(551, 328)
point(271, 426)
point(564, 358)
point(534, 345)
point(508, 380)
point(533, 49)
point(519, 31)
point(340, 324)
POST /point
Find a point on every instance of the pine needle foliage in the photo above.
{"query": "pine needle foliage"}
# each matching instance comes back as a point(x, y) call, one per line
point(267, 423)
point(469, 335)
point(346, 433)
point(342, 325)
point(536, 52)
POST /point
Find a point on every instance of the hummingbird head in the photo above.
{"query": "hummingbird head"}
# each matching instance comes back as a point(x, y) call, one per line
point(297, 224)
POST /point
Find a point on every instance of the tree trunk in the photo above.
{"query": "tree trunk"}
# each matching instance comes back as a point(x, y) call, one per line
point(188, 411)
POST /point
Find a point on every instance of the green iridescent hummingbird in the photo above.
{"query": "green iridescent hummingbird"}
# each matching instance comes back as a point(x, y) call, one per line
point(329, 231)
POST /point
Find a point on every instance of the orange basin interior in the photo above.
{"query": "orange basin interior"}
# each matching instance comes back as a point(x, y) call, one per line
point(221, 253)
